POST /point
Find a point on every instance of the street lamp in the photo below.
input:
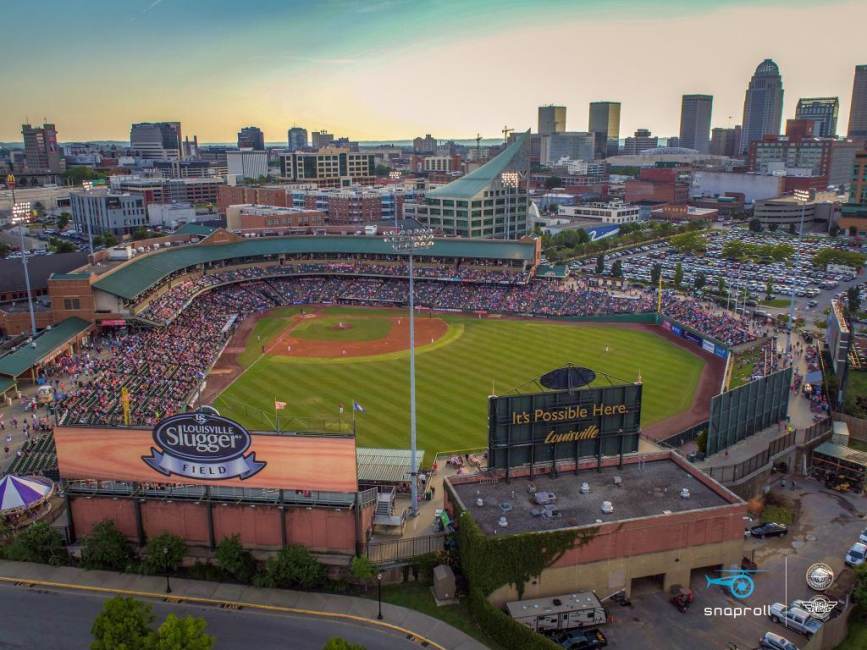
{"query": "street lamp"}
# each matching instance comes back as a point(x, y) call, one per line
point(803, 197)
point(87, 186)
point(407, 240)
point(510, 181)
point(166, 567)
point(20, 217)
point(379, 594)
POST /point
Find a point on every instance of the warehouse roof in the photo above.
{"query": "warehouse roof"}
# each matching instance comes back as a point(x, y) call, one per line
point(385, 465)
point(842, 452)
point(478, 180)
point(40, 267)
point(44, 345)
point(195, 229)
point(132, 279)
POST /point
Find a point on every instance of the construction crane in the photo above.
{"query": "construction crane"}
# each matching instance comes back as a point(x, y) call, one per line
point(506, 132)
point(478, 146)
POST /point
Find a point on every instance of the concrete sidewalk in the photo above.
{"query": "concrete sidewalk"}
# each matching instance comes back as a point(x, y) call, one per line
point(360, 610)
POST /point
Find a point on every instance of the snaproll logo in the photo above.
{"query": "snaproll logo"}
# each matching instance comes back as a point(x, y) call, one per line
point(202, 446)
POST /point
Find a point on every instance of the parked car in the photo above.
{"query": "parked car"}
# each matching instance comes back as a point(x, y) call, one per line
point(795, 619)
point(581, 639)
point(769, 529)
point(863, 536)
point(856, 555)
point(773, 641)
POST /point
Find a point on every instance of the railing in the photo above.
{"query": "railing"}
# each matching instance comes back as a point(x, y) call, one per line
point(685, 436)
point(399, 550)
point(737, 471)
point(816, 430)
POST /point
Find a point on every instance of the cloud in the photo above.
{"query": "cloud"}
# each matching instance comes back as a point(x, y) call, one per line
point(304, 59)
point(152, 5)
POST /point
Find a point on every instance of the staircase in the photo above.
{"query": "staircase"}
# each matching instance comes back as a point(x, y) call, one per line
point(384, 519)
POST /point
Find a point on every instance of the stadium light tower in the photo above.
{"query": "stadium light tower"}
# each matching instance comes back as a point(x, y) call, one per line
point(87, 186)
point(20, 217)
point(510, 181)
point(803, 197)
point(407, 240)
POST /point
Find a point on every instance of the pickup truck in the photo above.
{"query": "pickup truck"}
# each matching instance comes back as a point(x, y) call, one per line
point(795, 619)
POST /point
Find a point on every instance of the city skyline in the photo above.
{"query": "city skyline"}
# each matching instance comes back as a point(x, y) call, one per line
point(374, 71)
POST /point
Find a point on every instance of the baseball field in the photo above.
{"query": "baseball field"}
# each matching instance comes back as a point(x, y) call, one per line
point(328, 357)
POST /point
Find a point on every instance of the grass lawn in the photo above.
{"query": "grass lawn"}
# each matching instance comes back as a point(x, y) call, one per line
point(775, 302)
point(455, 375)
point(743, 366)
point(856, 387)
point(414, 595)
point(856, 639)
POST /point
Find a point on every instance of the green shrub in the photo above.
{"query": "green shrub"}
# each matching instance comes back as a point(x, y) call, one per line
point(163, 554)
point(38, 543)
point(234, 560)
point(106, 548)
point(293, 567)
point(336, 643)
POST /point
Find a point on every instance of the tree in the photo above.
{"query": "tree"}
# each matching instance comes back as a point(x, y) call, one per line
point(4, 249)
point(381, 170)
point(553, 181)
point(755, 225)
point(853, 297)
point(106, 548)
point(773, 227)
point(163, 554)
point(75, 175)
point(235, 560)
point(853, 231)
point(721, 285)
point(600, 264)
point(678, 275)
point(617, 269)
point(141, 233)
point(769, 289)
point(836, 256)
point(701, 441)
point(187, 633)
point(336, 643)
point(655, 273)
point(123, 624)
point(689, 242)
point(792, 229)
point(109, 240)
point(834, 230)
point(63, 220)
point(293, 567)
point(61, 245)
point(363, 570)
point(700, 280)
point(38, 543)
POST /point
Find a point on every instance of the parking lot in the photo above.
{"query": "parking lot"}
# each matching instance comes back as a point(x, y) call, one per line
point(828, 524)
point(813, 288)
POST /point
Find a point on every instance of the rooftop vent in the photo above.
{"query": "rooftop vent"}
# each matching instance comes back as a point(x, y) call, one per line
point(618, 481)
point(502, 522)
point(684, 493)
point(585, 488)
point(607, 507)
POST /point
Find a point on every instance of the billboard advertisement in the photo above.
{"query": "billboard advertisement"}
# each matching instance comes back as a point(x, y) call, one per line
point(206, 449)
point(563, 425)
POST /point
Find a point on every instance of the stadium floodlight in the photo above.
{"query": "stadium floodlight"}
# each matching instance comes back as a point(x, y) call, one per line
point(408, 239)
point(87, 186)
point(21, 217)
point(510, 180)
point(803, 197)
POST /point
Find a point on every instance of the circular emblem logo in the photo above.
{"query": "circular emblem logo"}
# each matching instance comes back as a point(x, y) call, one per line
point(821, 607)
point(819, 576)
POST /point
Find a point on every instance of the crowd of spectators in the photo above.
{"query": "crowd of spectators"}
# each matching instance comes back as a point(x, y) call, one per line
point(725, 326)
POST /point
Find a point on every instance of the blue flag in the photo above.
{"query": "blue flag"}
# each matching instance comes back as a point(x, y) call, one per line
point(357, 407)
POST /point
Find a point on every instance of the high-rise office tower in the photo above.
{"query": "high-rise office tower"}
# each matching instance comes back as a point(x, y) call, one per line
point(322, 139)
point(552, 119)
point(41, 151)
point(724, 142)
point(605, 125)
point(641, 140)
point(763, 104)
point(251, 137)
point(297, 138)
point(156, 140)
point(823, 111)
point(695, 113)
point(858, 110)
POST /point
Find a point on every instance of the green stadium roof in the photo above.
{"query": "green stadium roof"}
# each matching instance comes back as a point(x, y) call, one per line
point(24, 358)
point(5, 384)
point(478, 180)
point(132, 279)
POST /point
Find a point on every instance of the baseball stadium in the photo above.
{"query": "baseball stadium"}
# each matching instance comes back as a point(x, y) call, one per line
point(312, 334)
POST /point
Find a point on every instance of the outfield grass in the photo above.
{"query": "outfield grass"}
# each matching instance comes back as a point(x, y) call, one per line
point(454, 377)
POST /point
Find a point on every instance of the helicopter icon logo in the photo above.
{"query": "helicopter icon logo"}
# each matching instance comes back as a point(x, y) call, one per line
point(739, 582)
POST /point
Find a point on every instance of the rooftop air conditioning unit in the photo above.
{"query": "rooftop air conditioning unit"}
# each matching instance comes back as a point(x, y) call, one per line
point(585, 488)
point(502, 522)
point(618, 481)
point(607, 507)
point(684, 493)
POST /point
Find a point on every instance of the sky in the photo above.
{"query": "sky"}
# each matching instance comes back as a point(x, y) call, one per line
point(395, 69)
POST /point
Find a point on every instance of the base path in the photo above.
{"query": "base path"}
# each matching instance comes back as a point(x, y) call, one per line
point(427, 331)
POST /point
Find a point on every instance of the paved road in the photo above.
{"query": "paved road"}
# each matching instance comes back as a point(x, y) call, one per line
point(60, 620)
